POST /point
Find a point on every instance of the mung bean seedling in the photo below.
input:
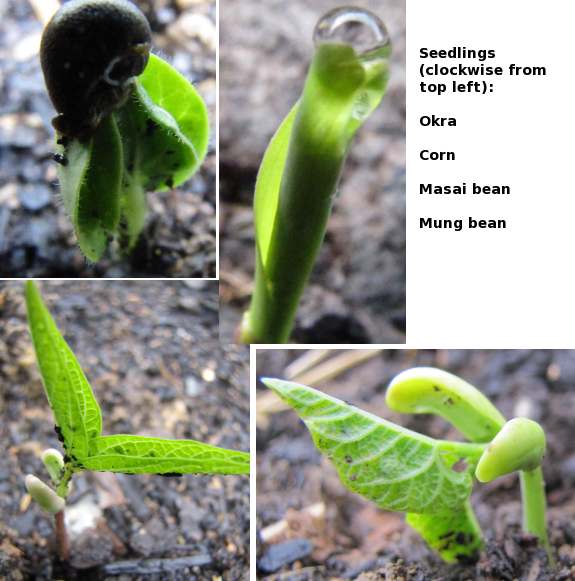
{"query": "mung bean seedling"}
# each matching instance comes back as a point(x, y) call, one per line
point(402, 470)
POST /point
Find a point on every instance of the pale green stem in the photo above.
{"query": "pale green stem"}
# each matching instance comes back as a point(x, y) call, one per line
point(534, 508)
point(62, 490)
point(464, 449)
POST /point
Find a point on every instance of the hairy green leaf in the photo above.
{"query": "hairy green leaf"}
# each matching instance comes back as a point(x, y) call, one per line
point(173, 96)
point(75, 409)
point(90, 184)
point(455, 534)
point(141, 455)
point(391, 466)
point(156, 141)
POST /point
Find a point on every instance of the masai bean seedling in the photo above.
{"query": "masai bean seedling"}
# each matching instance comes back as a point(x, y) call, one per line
point(79, 424)
point(128, 122)
point(405, 471)
point(298, 177)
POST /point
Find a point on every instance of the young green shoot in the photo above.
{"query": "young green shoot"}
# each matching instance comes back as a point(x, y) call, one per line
point(402, 470)
point(128, 122)
point(297, 181)
point(78, 424)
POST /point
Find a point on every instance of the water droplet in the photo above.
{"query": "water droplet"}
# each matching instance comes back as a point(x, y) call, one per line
point(361, 29)
point(361, 107)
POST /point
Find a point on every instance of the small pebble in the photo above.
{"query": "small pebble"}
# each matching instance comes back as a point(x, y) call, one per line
point(34, 198)
point(193, 386)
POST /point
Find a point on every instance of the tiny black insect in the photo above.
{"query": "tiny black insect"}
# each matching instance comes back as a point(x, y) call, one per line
point(170, 474)
point(91, 51)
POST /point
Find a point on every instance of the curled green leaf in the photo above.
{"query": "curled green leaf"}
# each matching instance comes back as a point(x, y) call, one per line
point(394, 467)
point(520, 445)
point(180, 111)
point(425, 390)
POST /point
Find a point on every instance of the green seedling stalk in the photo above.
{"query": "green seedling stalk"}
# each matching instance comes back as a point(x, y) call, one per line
point(394, 467)
point(298, 179)
point(79, 423)
point(535, 507)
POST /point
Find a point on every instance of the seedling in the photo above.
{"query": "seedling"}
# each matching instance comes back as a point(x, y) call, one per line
point(298, 177)
point(405, 471)
point(128, 122)
point(79, 424)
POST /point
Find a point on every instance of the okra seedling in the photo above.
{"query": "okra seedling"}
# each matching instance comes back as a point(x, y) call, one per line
point(127, 121)
point(402, 470)
point(78, 424)
point(298, 177)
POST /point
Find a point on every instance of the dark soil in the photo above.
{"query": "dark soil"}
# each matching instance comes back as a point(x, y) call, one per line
point(356, 293)
point(36, 235)
point(151, 354)
point(357, 540)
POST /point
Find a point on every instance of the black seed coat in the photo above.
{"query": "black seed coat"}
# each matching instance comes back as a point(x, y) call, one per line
point(90, 51)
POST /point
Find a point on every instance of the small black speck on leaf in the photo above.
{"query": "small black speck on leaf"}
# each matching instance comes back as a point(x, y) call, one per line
point(461, 539)
point(58, 431)
point(348, 459)
point(150, 127)
point(435, 388)
point(353, 477)
point(171, 474)
point(60, 158)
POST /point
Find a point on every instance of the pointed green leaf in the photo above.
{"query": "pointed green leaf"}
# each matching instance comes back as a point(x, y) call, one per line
point(141, 455)
point(391, 466)
point(75, 410)
point(455, 534)
point(268, 184)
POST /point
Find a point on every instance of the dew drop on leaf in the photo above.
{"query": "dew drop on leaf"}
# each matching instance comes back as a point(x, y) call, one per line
point(361, 29)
